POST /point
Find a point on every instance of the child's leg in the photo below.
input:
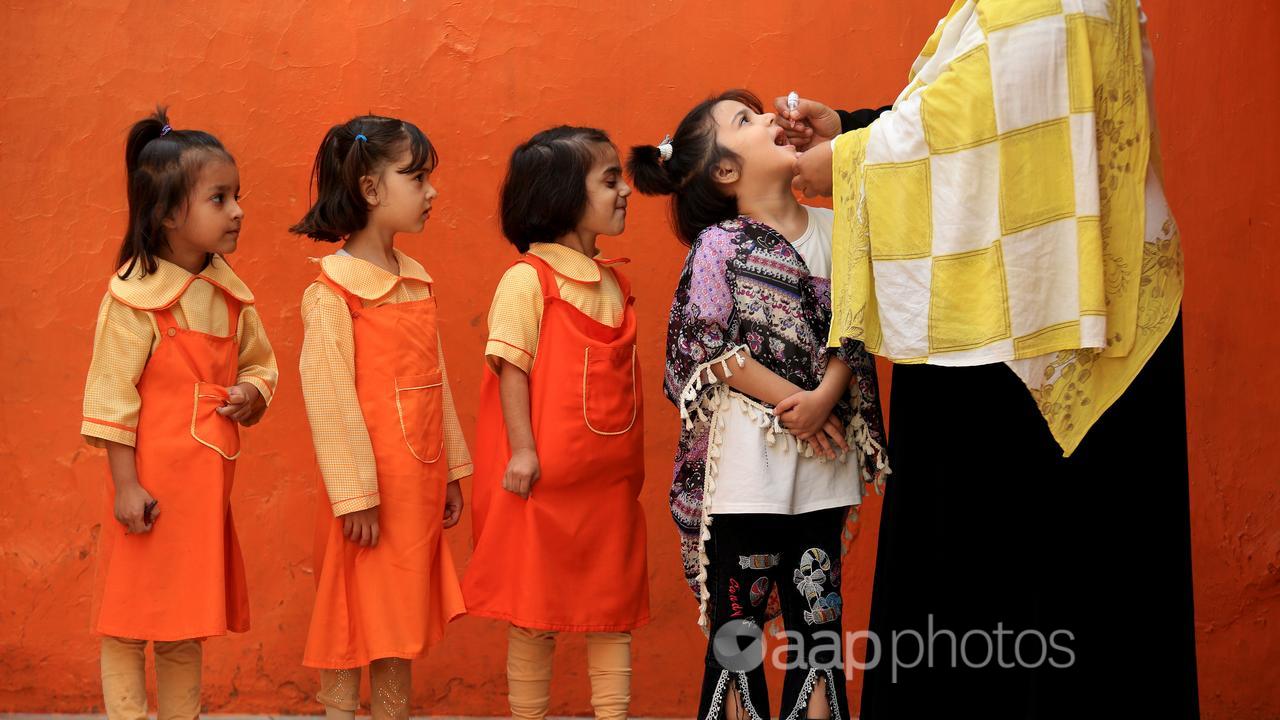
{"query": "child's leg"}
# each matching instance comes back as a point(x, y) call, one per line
point(178, 666)
point(609, 665)
point(389, 686)
point(340, 693)
point(124, 678)
point(743, 554)
point(529, 654)
point(812, 608)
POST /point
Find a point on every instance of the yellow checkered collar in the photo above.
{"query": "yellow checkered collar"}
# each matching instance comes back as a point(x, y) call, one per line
point(162, 288)
point(572, 264)
point(368, 281)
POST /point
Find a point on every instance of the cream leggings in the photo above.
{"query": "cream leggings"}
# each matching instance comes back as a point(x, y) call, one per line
point(124, 679)
point(529, 655)
point(389, 683)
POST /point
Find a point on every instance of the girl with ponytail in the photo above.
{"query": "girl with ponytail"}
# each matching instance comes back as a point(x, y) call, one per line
point(180, 360)
point(779, 432)
point(386, 435)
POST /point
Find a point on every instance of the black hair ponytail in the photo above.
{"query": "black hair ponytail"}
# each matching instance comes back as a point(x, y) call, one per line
point(648, 172)
point(361, 146)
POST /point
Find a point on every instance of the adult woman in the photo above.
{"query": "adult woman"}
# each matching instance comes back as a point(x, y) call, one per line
point(1008, 213)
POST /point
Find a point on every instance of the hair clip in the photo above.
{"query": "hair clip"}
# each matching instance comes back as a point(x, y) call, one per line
point(362, 138)
point(665, 149)
point(165, 130)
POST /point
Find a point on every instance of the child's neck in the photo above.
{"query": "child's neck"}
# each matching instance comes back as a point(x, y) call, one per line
point(192, 260)
point(776, 207)
point(581, 240)
point(374, 246)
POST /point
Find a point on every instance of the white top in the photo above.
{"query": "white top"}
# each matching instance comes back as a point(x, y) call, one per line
point(756, 476)
point(815, 244)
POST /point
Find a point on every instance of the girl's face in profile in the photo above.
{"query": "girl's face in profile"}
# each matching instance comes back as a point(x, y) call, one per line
point(607, 191)
point(209, 221)
point(401, 201)
point(757, 139)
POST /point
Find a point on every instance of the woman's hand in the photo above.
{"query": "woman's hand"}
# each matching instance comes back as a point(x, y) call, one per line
point(361, 527)
point(452, 504)
point(522, 472)
point(813, 171)
point(131, 507)
point(244, 404)
point(810, 124)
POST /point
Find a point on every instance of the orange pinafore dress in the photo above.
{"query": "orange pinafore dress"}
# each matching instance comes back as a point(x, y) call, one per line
point(185, 578)
point(395, 599)
point(573, 555)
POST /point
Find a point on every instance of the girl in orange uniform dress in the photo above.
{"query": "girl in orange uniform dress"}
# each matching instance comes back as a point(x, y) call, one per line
point(560, 534)
point(386, 435)
point(180, 360)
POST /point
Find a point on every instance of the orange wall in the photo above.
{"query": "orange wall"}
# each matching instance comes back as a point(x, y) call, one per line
point(479, 76)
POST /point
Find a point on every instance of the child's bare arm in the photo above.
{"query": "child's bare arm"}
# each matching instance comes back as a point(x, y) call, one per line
point(757, 381)
point(132, 500)
point(522, 470)
point(763, 384)
point(808, 413)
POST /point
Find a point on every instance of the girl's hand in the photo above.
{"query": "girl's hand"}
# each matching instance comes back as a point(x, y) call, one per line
point(813, 171)
point(522, 472)
point(244, 405)
point(827, 440)
point(452, 504)
point(805, 412)
point(812, 122)
point(131, 507)
point(361, 527)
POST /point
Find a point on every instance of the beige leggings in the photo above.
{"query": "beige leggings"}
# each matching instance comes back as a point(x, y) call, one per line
point(529, 654)
point(124, 679)
point(389, 682)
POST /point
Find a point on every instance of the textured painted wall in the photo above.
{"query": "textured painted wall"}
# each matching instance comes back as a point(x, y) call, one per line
point(479, 76)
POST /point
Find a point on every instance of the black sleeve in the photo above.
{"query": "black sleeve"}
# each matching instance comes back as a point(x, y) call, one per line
point(858, 119)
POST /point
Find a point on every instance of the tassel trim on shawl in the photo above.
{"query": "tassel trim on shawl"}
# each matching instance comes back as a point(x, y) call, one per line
point(692, 404)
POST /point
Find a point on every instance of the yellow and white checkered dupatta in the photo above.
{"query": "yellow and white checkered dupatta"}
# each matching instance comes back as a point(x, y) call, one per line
point(1010, 208)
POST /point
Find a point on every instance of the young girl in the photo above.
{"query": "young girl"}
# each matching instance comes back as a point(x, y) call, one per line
point(386, 435)
point(764, 475)
point(180, 359)
point(559, 531)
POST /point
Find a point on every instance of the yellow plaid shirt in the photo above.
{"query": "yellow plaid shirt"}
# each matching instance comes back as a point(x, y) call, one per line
point(127, 334)
point(343, 449)
point(515, 317)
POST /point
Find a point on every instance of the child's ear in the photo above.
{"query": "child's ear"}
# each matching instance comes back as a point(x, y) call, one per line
point(172, 220)
point(726, 172)
point(369, 189)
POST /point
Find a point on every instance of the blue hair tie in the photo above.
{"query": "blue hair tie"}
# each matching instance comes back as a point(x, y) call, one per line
point(362, 138)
